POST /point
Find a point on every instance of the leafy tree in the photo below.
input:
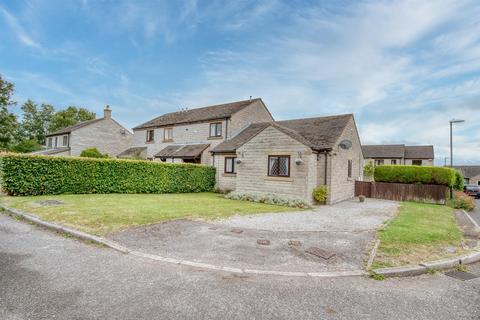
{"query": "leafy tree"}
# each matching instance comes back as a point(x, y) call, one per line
point(92, 153)
point(69, 117)
point(8, 121)
point(36, 121)
point(27, 145)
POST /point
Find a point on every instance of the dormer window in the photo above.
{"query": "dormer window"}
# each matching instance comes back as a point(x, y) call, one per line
point(168, 134)
point(150, 135)
point(216, 129)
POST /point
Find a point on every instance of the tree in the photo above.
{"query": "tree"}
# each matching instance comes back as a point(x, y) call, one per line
point(35, 121)
point(8, 121)
point(69, 117)
point(27, 145)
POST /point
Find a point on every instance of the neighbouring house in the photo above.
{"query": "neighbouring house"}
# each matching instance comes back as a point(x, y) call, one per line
point(399, 154)
point(105, 134)
point(471, 174)
point(189, 135)
point(292, 157)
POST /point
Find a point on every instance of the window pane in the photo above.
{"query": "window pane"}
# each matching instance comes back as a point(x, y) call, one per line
point(229, 165)
point(218, 127)
point(349, 168)
point(212, 130)
point(283, 166)
point(273, 166)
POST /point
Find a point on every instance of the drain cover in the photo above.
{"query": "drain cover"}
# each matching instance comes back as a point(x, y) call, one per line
point(461, 275)
point(320, 253)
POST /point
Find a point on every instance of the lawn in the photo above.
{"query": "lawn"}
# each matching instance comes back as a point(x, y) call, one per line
point(104, 213)
point(420, 232)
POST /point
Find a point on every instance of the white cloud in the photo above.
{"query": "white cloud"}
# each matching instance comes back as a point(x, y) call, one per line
point(18, 30)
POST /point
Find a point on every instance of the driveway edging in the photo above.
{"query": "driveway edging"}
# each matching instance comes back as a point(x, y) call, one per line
point(403, 271)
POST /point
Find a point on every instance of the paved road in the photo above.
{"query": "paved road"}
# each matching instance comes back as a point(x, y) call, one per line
point(46, 276)
point(476, 213)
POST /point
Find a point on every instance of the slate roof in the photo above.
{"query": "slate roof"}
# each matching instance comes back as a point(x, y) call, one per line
point(384, 151)
point(317, 133)
point(397, 151)
point(469, 171)
point(419, 152)
point(220, 111)
point(50, 151)
point(74, 127)
point(132, 152)
point(182, 151)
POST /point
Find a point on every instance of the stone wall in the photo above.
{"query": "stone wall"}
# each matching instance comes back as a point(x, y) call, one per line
point(105, 135)
point(252, 173)
point(224, 181)
point(256, 112)
point(341, 186)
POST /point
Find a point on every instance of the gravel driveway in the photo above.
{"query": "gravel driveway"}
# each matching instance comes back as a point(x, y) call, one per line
point(345, 229)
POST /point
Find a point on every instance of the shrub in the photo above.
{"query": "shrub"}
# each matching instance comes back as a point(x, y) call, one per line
point(41, 175)
point(92, 153)
point(269, 198)
point(459, 181)
point(320, 194)
point(369, 170)
point(462, 201)
point(415, 174)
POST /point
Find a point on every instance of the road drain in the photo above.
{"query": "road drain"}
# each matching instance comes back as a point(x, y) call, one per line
point(461, 275)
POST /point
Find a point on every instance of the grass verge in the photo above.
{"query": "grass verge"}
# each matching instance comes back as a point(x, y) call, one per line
point(420, 232)
point(100, 214)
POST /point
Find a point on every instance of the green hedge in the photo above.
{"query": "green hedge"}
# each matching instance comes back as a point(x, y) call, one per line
point(41, 175)
point(415, 174)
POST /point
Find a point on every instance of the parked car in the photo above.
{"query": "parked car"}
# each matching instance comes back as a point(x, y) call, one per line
point(472, 190)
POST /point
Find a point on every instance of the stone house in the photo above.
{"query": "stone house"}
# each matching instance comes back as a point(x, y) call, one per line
point(189, 135)
point(292, 157)
point(471, 174)
point(399, 154)
point(105, 134)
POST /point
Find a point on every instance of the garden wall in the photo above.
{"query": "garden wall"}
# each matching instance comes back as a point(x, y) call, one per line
point(43, 175)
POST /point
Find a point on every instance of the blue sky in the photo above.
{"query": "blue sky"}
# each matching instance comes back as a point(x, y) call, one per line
point(404, 68)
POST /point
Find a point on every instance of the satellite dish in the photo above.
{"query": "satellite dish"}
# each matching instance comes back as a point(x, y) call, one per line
point(345, 144)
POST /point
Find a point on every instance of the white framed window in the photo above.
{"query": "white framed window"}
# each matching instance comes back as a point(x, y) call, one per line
point(379, 162)
point(49, 142)
point(168, 134)
point(65, 141)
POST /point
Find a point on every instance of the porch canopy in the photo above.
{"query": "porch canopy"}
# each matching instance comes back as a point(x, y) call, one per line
point(185, 152)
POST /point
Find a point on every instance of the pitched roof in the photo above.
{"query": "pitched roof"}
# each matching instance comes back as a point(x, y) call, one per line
point(132, 152)
point(397, 151)
point(182, 151)
point(469, 171)
point(317, 133)
point(220, 111)
point(74, 127)
point(419, 152)
point(384, 151)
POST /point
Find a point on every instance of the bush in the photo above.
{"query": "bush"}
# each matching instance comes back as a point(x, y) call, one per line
point(369, 170)
point(269, 198)
point(459, 181)
point(320, 194)
point(462, 201)
point(92, 153)
point(41, 175)
point(415, 174)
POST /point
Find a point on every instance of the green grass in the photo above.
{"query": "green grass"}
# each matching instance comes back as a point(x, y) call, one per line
point(104, 213)
point(420, 232)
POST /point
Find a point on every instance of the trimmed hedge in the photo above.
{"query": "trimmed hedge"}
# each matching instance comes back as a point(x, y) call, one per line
point(416, 174)
point(43, 175)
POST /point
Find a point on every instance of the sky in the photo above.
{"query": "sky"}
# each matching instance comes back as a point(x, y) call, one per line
point(404, 68)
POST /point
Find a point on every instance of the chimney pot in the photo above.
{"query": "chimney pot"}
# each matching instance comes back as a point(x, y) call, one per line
point(107, 112)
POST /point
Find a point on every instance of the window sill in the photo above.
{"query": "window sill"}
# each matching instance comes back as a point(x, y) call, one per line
point(215, 138)
point(283, 179)
point(168, 140)
point(231, 175)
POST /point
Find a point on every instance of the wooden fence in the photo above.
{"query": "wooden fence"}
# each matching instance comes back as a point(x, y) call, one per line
point(402, 192)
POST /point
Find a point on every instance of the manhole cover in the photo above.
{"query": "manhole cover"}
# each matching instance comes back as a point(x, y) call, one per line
point(47, 203)
point(461, 275)
point(320, 253)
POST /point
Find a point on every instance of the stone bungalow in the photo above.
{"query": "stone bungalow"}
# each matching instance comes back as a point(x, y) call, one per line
point(293, 157)
point(105, 134)
point(399, 154)
point(470, 173)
